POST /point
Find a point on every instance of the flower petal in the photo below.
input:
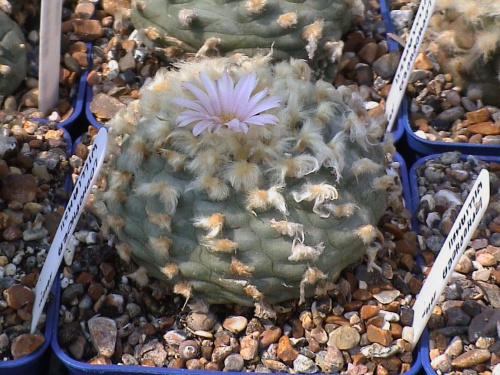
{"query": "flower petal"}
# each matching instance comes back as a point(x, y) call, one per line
point(211, 89)
point(187, 117)
point(200, 126)
point(242, 92)
point(237, 126)
point(191, 104)
point(204, 99)
point(225, 88)
point(262, 119)
point(260, 104)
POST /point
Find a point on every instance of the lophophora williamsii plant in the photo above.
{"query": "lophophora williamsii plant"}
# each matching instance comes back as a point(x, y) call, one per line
point(238, 181)
point(308, 29)
point(13, 59)
point(467, 45)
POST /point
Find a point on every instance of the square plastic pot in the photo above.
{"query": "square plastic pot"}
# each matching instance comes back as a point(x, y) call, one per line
point(76, 367)
point(415, 199)
point(425, 147)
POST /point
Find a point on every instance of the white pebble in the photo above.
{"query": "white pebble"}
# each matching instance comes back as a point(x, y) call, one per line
point(113, 70)
point(64, 282)
point(10, 269)
point(54, 116)
point(18, 257)
point(421, 134)
point(33, 36)
point(407, 334)
point(2, 272)
point(91, 238)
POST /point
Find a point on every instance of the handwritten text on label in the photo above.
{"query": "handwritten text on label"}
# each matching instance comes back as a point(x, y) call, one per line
point(408, 57)
point(461, 232)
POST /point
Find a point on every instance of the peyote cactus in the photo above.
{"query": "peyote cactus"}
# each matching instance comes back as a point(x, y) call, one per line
point(240, 198)
point(12, 56)
point(467, 45)
point(301, 29)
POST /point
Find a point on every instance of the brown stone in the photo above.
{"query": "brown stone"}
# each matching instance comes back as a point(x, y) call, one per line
point(396, 330)
point(88, 30)
point(336, 319)
point(423, 62)
point(368, 53)
point(471, 358)
point(353, 306)
point(19, 187)
point(406, 247)
point(378, 335)
point(269, 336)
point(368, 311)
point(12, 234)
point(25, 344)
point(484, 128)
point(485, 259)
point(481, 115)
point(105, 106)
point(476, 139)
point(286, 352)
point(362, 295)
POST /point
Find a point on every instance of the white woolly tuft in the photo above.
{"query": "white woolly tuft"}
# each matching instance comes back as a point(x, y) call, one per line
point(243, 176)
point(293, 166)
point(140, 276)
point(364, 165)
point(312, 34)
point(138, 151)
point(320, 193)
point(301, 252)
point(238, 268)
point(161, 246)
point(119, 179)
point(264, 199)
point(289, 229)
point(384, 182)
point(170, 270)
point(223, 245)
point(287, 20)
point(255, 6)
point(175, 159)
point(206, 162)
point(124, 251)
point(168, 194)
point(115, 221)
point(184, 289)
point(213, 186)
point(311, 276)
point(212, 223)
point(366, 233)
point(340, 211)
point(163, 221)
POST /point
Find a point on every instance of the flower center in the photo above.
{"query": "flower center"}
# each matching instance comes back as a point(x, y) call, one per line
point(226, 117)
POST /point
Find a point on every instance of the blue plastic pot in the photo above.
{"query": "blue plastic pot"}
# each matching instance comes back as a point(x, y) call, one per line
point(75, 367)
point(398, 128)
point(425, 147)
point(424, 340)
point(35, 363)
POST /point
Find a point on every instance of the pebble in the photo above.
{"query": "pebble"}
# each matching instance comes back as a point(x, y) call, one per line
point(344, 338)
point(25, 344)
point(305, 365)
point(103, 333)
point(235, 324)
point(471, 358)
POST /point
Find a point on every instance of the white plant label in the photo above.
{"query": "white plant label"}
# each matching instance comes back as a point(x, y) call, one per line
point(74, 208)
point(50, 58)
point(405, 67)
point(461, 232)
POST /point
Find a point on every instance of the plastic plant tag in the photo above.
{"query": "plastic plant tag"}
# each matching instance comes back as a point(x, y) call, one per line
point(457, 240)
point(405, 67)
point(74, 208)
point(50, 58)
